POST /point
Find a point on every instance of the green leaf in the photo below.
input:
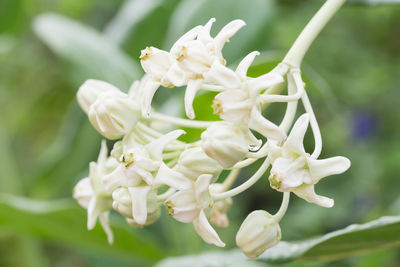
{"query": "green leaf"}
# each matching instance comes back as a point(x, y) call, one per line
point(91, 54)
point(353, 240)
point(63, 222)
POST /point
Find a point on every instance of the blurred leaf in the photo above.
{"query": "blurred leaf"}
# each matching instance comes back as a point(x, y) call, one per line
point(256, 13)
point(128, 16)
point(92, 55)
point(353, 240)
point(63, 222)
point(374, 2)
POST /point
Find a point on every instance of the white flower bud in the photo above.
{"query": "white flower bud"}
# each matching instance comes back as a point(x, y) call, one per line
point(114, 114)
point(90, 91)
point(227, 143)
point(258, 232)
point(194, 162)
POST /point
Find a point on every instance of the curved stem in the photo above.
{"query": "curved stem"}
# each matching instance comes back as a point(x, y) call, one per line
point(230, 179)
point(291, 107)
point(212, 87)
point(166, 194)
point(311, 31)
point(243, 187)
point(180, 121)
point(282, 210)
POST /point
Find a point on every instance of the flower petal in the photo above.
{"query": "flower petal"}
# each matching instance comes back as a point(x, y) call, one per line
point(204, 33)
point(182, 206)
point(175, 76)
point(189, 36)
point(104, 221)
point(156, 147)
point(227, 32)
point(222, 75)
point(172, 178)
point(115, 179)
point(148, 91)
point(306, 192)
point(244, 65)
point(294, 142)
point(320, 168)
point(265, 127)
point(101, 160)
point(205, 230)
point(139, 203)
point(92, 213)
point(190, 93)
point(201, 186)
point(265, 81)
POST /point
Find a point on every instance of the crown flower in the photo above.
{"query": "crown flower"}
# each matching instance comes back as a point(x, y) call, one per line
point(148, 168)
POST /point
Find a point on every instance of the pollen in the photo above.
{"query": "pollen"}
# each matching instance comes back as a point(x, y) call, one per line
point(146, 53)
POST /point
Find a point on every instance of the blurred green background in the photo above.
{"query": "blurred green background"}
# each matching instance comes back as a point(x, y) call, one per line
point(48, 48)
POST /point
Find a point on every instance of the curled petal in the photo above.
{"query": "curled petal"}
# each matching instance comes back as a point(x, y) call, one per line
point(205, 230)
point(244, 65)
point(156, 62)
point(265, 127)
point(92, 213)
point(172, 178)
point(148, 91)
point(104, 221)
point(115, 179)
point(204, 33)
point(320, 168)
point(101, 160)
point(139, 203)
point(307, 193)
point(265, 81)
point(294, 142)
point(201, 186)
point(190, 93)
point(222, 75)
point(189, 36)
point(156, 147)
point(227, 32)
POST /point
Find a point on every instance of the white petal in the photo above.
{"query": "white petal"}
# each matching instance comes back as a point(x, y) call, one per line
point(265, 127)
point(183, 206)
point(244, 65)
point(201, 186)
point(227, 32)
point(222, 75)
point(101, 160)
point(294, 142)
point(156, 62)
point(115, 179)
point(190, 93)
point(92, 213)
point(320, 168)
point(156, 147)
point(175, 75)
point(204, 33)
point(83, 192)
point(307, 193)
point(172, 178)
point(189, 36)
point(139, 203)
point(145, 175)
point(264, 81)
point(148, 92)
point(104, 221)
point(205, 230)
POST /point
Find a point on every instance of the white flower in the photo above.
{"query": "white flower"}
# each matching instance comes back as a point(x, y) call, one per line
point(242, 106)
point(193, 162)
point(220, 208)
point(114, 114)
point(195, 58)
point(228, 143)
point(293, 170)
point(90, 193)
point(90, 91)
point(258, 232)
point(139, 163)
point(189, 206)
point(123, 203)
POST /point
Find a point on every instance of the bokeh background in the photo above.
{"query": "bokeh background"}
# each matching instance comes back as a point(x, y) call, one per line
point(48, 48)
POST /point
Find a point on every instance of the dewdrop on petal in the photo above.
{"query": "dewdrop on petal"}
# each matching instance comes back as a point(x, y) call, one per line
point(90, 91)
point(227, 143)
point(258, 232)
point(114, 114)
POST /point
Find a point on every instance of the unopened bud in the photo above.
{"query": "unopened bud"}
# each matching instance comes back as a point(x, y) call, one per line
point(193, 162)
point(114, 114)
point(90, 91)
point(258, 232)
point(226, 143)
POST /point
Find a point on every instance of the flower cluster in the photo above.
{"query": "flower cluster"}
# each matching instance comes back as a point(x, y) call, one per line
point(148, 169)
